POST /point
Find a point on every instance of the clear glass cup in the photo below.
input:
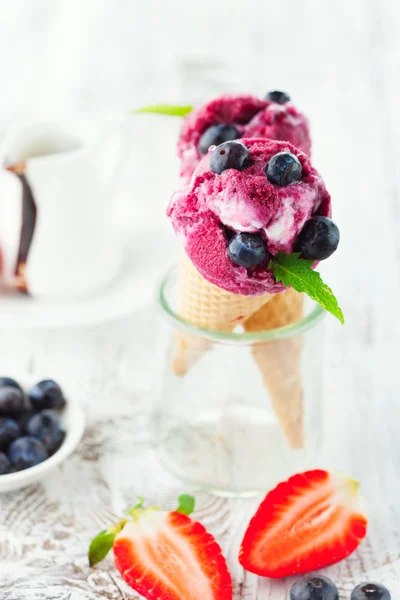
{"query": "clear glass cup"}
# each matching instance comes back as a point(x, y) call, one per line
point(247, 411)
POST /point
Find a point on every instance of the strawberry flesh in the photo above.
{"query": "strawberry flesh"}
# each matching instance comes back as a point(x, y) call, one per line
point(308, 522)
point(168, 556)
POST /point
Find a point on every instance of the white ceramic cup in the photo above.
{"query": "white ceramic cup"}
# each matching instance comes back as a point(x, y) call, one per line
point(67, 180)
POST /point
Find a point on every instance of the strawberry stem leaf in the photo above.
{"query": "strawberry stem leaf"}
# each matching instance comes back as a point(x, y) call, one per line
point(100, 546)
point(138, 504)
point(164, 109)
point(186, 504)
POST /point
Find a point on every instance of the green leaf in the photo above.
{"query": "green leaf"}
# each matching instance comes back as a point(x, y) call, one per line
point(102, 543)
point(138, 504)
point(164, 109)
point(297, 273)
point(186, 504)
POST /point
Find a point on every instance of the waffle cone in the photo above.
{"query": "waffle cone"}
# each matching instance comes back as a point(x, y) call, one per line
point(208, 306)
point(280, 362)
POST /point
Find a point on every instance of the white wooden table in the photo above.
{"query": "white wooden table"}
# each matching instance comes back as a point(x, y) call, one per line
point(340, 63)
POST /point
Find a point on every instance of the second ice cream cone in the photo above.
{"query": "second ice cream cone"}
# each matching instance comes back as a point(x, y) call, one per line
point(207, 306)
point(280, 362)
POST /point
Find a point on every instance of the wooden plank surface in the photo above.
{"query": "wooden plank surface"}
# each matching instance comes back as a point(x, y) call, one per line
point(339, 60)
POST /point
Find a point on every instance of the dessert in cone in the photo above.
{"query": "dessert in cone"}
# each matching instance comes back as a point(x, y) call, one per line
point(279, 362)
point(247, 202)
point(233, 116)
point(205, 305)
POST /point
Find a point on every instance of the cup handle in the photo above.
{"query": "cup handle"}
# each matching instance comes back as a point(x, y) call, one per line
point(29, 215)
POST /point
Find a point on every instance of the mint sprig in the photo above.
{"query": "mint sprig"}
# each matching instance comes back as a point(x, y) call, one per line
point(172, 110)
point(296, 272)
point(186, 504)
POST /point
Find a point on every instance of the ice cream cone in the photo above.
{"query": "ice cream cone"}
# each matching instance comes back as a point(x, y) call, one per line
point(280, 361)
point(237, 209)
point(206, 305)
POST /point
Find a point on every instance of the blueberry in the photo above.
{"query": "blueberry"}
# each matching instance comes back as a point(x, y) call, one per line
point(46, 394)
point(247, 250)
point(314, 588)
point(318, 239)
point(23, 419)
point(277, 96)
point(4, 464)
point(9, 431)
point(370, 590)
point(283, 169)
point(12, 401)
point(10, 382)
point(229, 155)
point(46, 427)
point(26, 452)
point(217, 134)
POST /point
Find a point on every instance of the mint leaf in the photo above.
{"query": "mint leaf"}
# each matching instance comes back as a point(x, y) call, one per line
point(102, 543)
point(186, 504)
point(297, 273)
point(164, 109)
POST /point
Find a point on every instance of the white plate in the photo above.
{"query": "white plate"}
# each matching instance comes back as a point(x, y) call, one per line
point(73, 421)
point(132, 289)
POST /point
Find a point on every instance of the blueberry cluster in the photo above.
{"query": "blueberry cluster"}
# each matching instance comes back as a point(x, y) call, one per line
point(283, 169)
point(30, 430)
point(323, 588)
point(319, 237)
point(223, 132)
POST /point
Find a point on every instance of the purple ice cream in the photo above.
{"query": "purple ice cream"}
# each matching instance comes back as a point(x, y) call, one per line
point(270, 193)
point(240, 116)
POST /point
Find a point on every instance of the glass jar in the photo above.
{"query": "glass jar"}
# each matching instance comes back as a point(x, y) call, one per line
point(246, 411)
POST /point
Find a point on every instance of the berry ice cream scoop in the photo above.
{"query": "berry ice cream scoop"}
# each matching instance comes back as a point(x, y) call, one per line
point(247, 201)
point(232, 117)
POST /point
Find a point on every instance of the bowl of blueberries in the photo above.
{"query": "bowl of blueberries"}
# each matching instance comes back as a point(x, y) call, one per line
point(39, 427)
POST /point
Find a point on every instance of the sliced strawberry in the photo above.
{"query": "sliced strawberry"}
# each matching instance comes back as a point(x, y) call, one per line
point(311, 521)
point(165, 555)
point(168, 556)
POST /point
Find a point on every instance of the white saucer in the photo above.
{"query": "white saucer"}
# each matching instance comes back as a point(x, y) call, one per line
point(132, 289)
point(73, 421)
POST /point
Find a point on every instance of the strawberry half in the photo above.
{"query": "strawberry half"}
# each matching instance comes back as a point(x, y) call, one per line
point(166, 556)
point(311, 521)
